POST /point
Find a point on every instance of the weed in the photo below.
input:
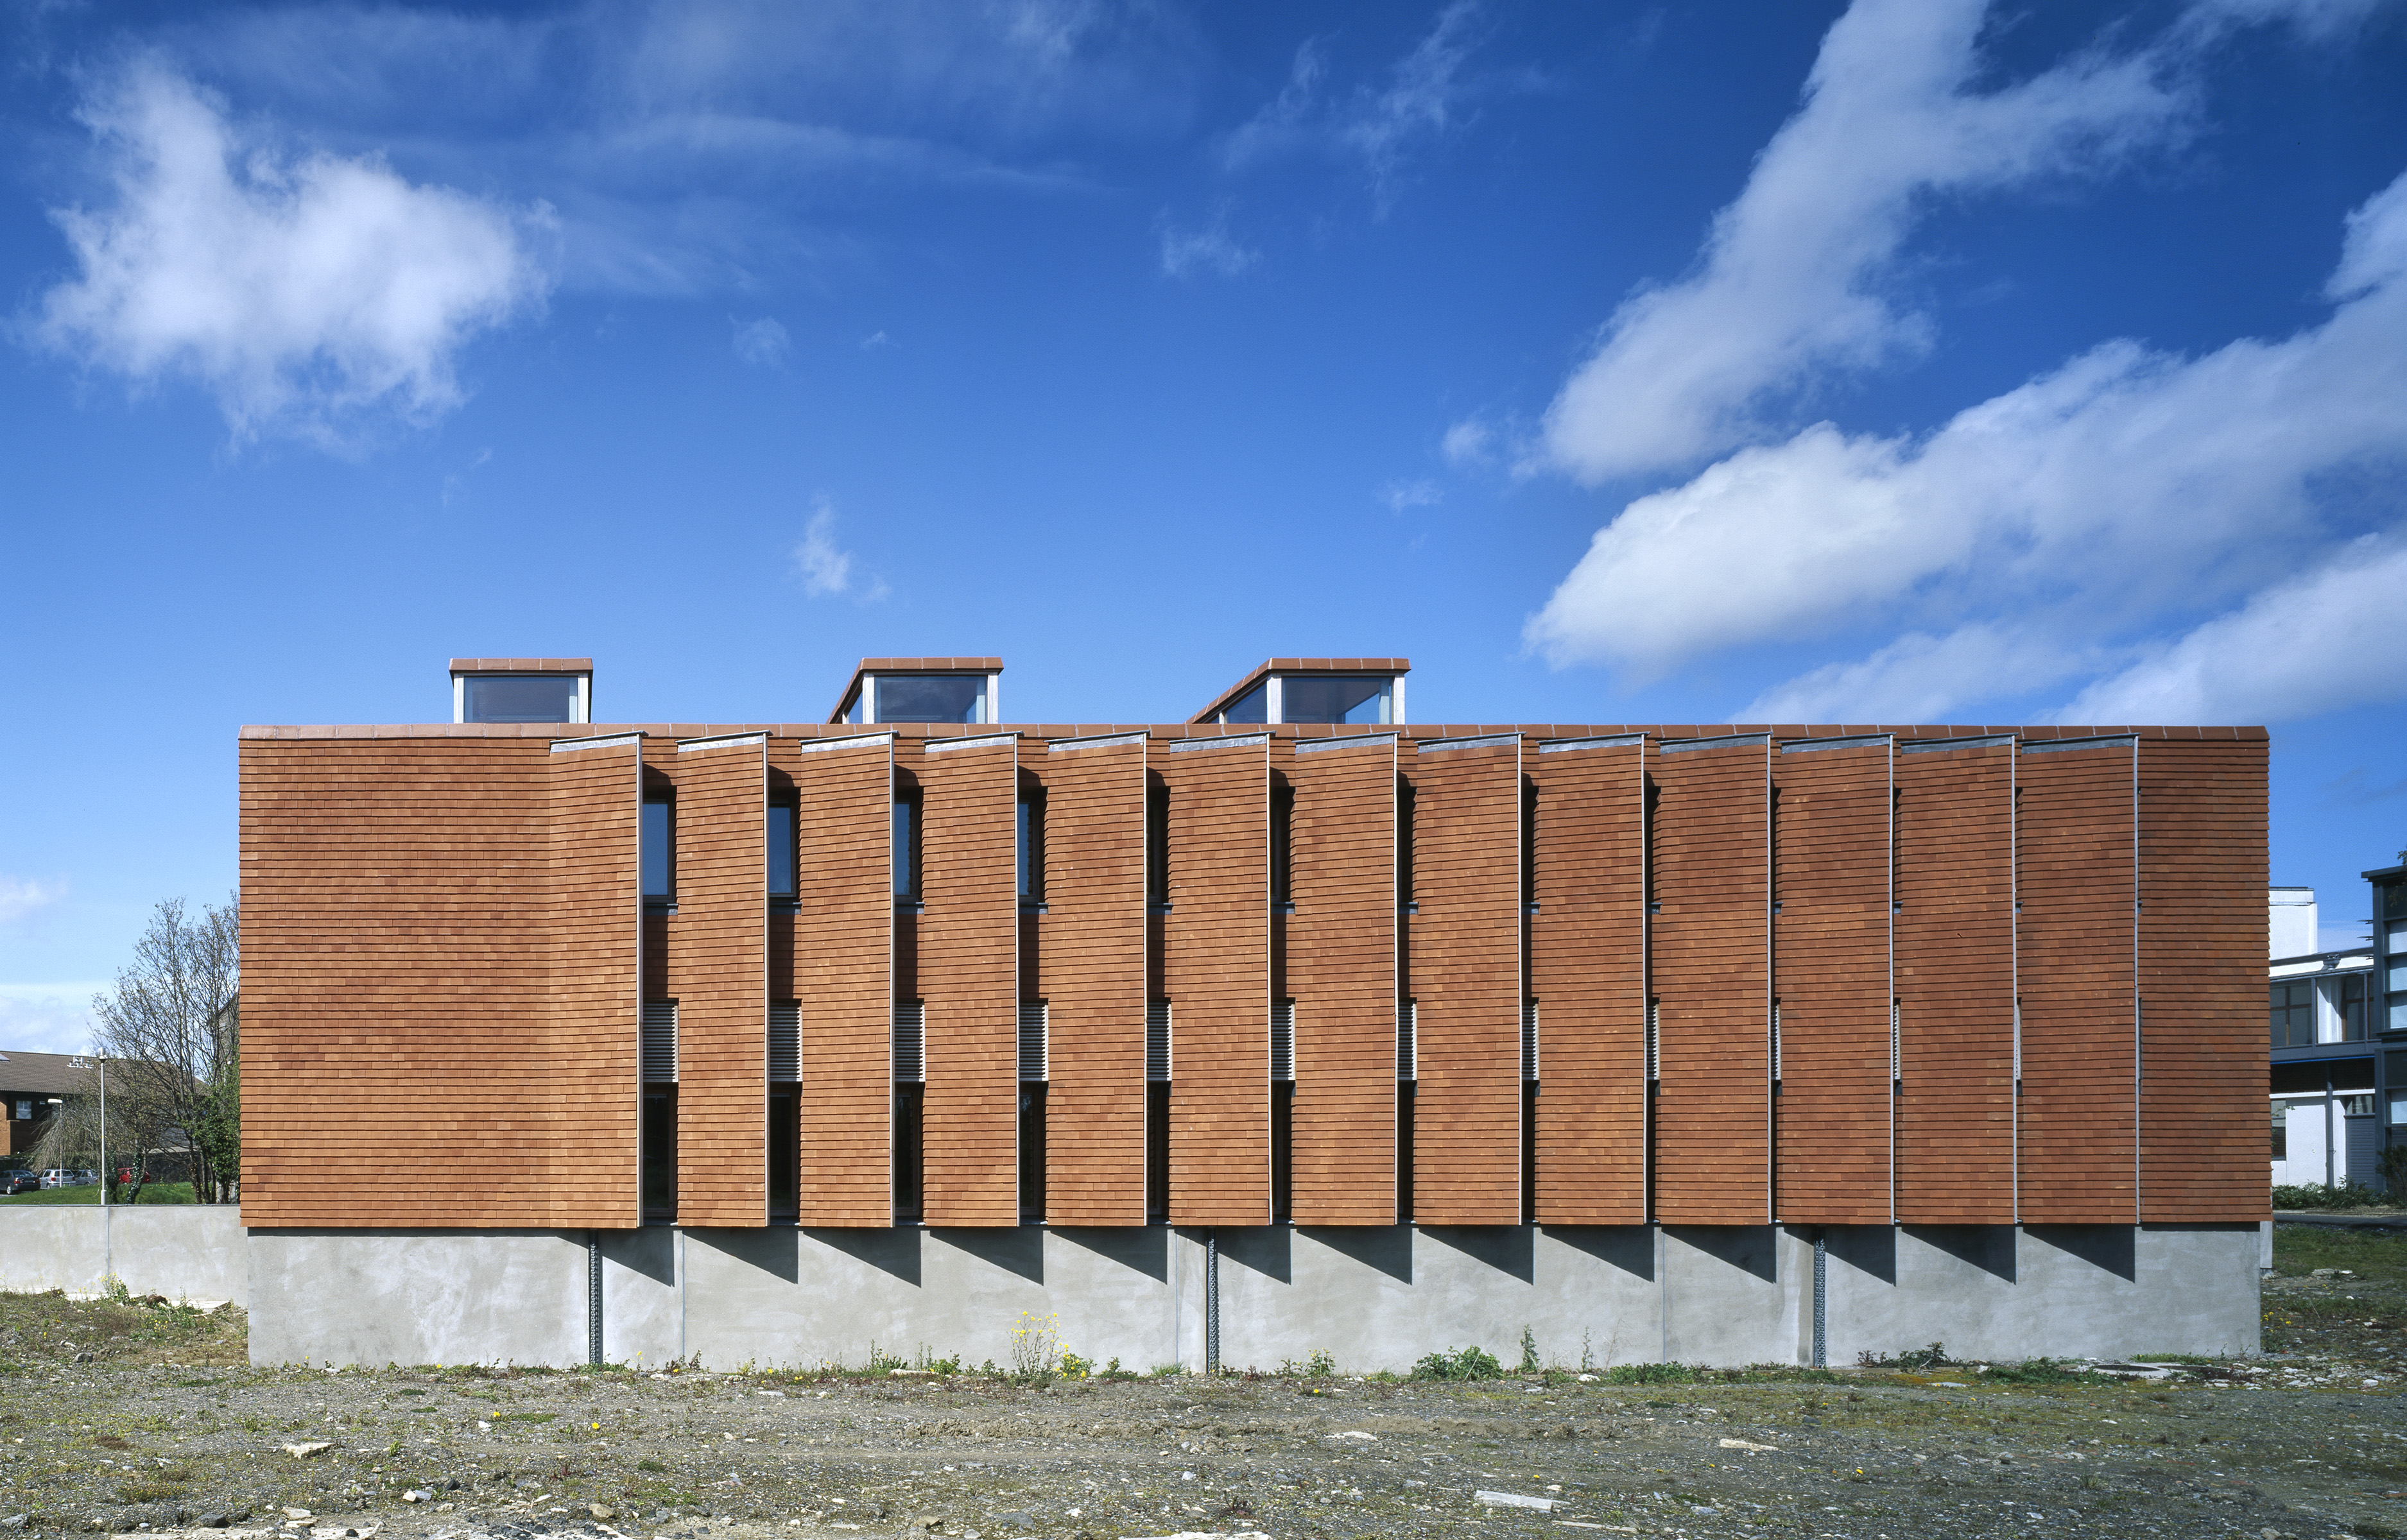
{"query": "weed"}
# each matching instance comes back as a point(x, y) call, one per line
point(884, 1362)
point(1650, 1374)
point(1165, 1371)
point(1036, 1346)
point(2045, 1371)
point(1529, 1364)
point(1932, 1357)
point(649, 1465)
point(1467, 1363)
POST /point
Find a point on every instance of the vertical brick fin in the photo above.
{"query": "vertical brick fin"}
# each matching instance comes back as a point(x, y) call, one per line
point(719, 977)
point(2078, 884)
point(1216, 968)
point(1831, 974)
point(1956, 983)
point(1341, 972)
point(844, 976)
point(593, 943)
point(1094, 888)
point(969, 976)
point(1711, 972)
point(1466, 973)
point(392, 997)
point(2201, 982)
point(1588, 971)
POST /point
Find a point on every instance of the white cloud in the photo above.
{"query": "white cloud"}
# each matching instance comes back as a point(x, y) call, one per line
point(303, 292)
point(1185, 252)
point(764, 342)
point(1917, 678)
point(21, 895)
point(1418, 493)
point(825, 567)
point(2128, 491)
point(1786, 286)
point(46, 1018)
point(1470, 441)
point(2323, 641)
point(1422, 97)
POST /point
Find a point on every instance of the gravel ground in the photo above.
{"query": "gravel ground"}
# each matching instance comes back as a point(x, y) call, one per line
point(123, 1416)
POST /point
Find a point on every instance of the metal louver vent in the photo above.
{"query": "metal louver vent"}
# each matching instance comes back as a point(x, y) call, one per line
point(1775, 1042)
point(1654, 1041)
point(1035, 1019)
point(910, 1038)
point(1529, 1041)
point(1282, 1039)
point(660, 1045)
point(1896, 1048)
point(785, 1042)
point(1156, 1040)
point(1408, 1048)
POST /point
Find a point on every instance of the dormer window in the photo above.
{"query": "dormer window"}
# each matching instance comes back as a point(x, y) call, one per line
point(521, 690)
point(923, 690)
point(1326, 691)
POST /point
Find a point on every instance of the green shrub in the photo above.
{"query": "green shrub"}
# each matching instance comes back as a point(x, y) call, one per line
point(1649, 1374)
point(1467, 1363)
point(2348, 1194)
point(1932, 1357)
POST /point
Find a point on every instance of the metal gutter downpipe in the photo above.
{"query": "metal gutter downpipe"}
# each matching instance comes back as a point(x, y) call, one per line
point(1821, 1284)
point(594, 1297)
point(1211, 1302)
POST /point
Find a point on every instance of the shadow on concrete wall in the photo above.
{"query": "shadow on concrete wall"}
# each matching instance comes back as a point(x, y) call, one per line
point(1989, 1247)
point(1145, 1250)
point(1869, 1249)
point(2114, 1248)
point(1018, 1251)
point(776, 1253)
point(1388, 1248)
point(1627, 1247)
point(1749, 1248)
point(894, 1252)
point(651, 1253)
point(1269, 1250)
point(1508, 1249)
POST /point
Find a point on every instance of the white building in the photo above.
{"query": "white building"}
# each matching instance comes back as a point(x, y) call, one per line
point(2339, 1039)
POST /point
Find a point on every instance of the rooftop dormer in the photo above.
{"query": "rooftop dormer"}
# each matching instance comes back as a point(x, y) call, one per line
point(922, 689)
point(1326, 690)
point(523, 689)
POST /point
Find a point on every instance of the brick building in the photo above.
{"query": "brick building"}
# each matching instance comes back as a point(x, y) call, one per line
point(1415, 1024)
point(32, 1086)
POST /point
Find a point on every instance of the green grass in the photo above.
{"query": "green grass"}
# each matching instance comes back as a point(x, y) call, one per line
point(2373, 1255)
point(157, 1192)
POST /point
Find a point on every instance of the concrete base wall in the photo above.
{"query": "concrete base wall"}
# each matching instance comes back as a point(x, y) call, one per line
point(1371, 1299)
point(182, 1251)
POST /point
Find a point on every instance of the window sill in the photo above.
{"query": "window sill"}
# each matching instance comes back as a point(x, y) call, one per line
point(660, 905)
point(785, 906)
point(1153, 908)
point(1034, 906)
point(909, 906)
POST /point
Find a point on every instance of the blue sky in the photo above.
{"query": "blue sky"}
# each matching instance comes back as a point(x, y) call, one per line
point(1894, 360)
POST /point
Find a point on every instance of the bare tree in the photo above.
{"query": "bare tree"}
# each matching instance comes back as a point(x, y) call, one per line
point(172, 1033)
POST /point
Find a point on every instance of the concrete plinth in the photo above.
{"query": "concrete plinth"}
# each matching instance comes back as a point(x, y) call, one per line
point(1370, 1299)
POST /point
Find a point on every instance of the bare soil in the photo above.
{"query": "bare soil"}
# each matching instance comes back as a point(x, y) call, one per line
point(124, 1416)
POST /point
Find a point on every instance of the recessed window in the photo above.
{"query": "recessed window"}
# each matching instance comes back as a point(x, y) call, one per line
point(928, 697)
point(781, 848)
point(1317, 698)
point(1252, 706)
point(1032, 845)
point(907, 847)
point(2294, 1015)
point(2352, 1009)
point(520, 698)
point(658, 841)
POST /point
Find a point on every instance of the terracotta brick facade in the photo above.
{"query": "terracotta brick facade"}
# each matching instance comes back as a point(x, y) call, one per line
point(2016, 972)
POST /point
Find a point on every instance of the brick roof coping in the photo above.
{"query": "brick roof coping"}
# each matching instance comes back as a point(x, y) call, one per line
point(522, 665)
point(908, 665)
point(1300, 665)
point(1418, 730)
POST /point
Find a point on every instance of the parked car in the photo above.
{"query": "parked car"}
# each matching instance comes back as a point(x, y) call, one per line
point(61, 1176)
point(14, 1182)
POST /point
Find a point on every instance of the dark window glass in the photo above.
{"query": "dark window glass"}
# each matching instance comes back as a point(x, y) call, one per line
point(2394, 901)
point(658, 1168)
point(1405, 810)
point(1032, 1153)
point(781, 850)
point(931, 698)
point(906, 848)
point(658, 838)
point(1282, 1152)
point(1156, 845)
point(1528, 1153)
point(1252, 706)
point(1404, 1099)
point(1314, 698)
point(1157, 1151)
point(2281, 1131)
point(518, 697)
point(907, 1101)
point(785, 1157)
point(2294, 1015)
point(1282, 845)
point(1529, 841)
point(2352, 1009)
point(1031, 847)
